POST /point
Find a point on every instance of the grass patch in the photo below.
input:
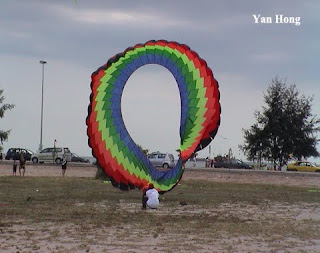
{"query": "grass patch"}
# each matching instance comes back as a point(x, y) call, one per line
point(212, 209)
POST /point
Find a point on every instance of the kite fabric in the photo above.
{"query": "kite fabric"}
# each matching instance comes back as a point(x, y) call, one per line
point(115, 151)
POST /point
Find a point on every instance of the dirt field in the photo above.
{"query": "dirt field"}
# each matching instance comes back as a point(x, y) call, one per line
point(215, 175)
point(276, 226)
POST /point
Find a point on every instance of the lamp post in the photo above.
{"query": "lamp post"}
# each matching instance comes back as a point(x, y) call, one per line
point(42, 62)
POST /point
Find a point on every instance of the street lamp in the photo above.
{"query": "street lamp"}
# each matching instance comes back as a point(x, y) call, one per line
point(41, 62)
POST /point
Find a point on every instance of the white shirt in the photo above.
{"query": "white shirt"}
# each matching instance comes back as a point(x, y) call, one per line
point(153, 198)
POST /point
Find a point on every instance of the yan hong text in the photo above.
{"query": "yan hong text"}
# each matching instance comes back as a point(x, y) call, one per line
point(277, 19)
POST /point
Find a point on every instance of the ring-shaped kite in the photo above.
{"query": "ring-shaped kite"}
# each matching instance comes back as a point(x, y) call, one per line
point(115, 151)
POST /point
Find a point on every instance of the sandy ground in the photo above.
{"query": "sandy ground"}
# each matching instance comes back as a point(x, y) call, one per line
point(48, 237)
point(216, 175)
point(50, 170)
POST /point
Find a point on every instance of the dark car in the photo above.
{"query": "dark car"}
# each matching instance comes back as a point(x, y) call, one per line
point(76, 158)
point(232, 164)
point(15, 153)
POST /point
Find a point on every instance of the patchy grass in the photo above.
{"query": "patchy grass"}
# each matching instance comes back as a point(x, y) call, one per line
point(71, 199)
point(280, 215)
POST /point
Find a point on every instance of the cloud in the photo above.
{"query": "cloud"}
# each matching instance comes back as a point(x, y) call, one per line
point(275, 57)
point(119, 17)
point(19, 35)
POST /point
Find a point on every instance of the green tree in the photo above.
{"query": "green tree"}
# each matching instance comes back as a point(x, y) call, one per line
point(3, 108)
point(284, 129)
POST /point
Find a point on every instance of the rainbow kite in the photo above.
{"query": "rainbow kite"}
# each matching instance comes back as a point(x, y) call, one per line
point(111, 144)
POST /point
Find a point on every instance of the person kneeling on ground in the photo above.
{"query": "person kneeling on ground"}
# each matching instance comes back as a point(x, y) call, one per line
point(150, 198)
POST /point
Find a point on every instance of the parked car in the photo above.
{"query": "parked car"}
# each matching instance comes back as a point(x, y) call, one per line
point(15, 153)
point(76, 158)
point(231, 163)
point(164, 160)
point(303, 166)
point(51, 155)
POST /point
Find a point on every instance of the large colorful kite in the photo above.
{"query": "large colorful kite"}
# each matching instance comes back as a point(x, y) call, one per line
point(111, 144)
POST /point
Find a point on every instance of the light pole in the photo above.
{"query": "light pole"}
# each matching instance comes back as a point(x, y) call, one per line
point(41, 62)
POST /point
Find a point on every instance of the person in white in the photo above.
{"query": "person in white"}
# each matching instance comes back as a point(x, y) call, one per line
point(151, 198)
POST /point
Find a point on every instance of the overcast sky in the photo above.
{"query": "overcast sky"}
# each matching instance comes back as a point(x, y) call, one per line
point(77, 37)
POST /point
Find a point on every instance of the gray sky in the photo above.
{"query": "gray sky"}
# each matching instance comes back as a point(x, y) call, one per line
point(77, 37)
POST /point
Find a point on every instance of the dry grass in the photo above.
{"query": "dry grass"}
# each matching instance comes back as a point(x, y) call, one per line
point(82, 214)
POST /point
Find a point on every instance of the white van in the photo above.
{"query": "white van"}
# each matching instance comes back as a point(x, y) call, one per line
point(51, 155)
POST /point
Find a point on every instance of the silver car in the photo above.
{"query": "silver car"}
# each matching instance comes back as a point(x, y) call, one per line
point(164, 160)
point(54, 154)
